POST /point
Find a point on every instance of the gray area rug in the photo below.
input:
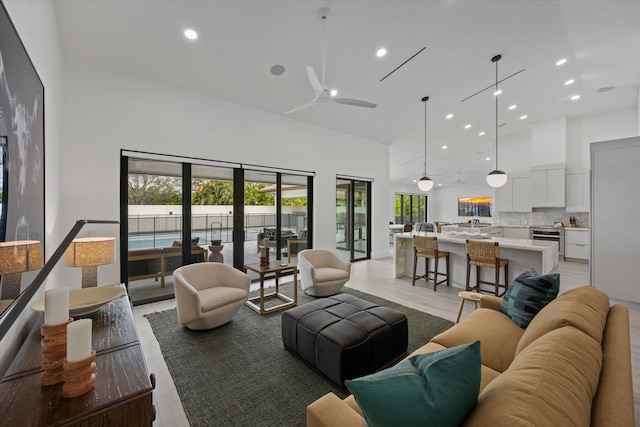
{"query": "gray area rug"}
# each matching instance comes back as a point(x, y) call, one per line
point(240, 373)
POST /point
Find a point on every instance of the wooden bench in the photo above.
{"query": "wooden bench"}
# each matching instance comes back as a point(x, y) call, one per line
point(157, 263)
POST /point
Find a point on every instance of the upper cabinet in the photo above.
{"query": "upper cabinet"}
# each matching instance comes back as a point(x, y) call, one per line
point(578, 192)
point(547, 187)
point(514, 196)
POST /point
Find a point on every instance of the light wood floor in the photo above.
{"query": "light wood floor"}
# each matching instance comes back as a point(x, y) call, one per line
point(374, 277)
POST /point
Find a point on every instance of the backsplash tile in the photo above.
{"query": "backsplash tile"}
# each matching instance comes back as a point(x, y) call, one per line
point(541, 216)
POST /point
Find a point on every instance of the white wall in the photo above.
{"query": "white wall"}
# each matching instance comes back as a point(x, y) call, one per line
point(604, 127)
point(445, 201)
point(109, 111)
point(548, 142)
point(37, 26)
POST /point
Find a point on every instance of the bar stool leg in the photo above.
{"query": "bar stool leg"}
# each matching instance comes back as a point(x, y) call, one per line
point(447, 268)
point(415, 262)
point(460, 310)
point(468, 274)
point(435, 273)
point(497, 277)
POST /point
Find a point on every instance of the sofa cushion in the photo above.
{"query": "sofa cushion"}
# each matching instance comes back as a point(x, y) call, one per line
point(528, 294)
point(435, 389)
point(497, 333)
point(328, 274)
point(550, 383)
point(219, 296)
point(584, 308)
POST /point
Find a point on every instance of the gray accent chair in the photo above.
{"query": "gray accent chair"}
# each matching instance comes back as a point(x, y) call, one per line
point(209, 294)
point(322, 272)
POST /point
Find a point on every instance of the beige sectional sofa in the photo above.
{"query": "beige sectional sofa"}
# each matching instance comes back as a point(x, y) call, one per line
point(570, 367)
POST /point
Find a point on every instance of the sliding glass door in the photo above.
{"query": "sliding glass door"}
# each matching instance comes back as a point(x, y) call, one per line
point(353, 218)
point(181, 212)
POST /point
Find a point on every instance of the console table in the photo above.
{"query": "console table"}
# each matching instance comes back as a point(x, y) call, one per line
point(123, 392)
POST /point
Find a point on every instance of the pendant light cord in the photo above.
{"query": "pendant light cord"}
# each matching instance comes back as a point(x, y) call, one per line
point(424, 100)
point(497, 114)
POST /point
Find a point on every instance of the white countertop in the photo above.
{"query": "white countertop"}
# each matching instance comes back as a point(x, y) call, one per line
point(576, 229)
point(523, 244)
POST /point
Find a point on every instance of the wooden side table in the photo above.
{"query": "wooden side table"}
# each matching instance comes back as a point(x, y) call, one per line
point(474, 297)
point(276, 267)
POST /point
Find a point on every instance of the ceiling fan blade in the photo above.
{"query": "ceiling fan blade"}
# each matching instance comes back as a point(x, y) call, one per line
point(313, 79)
point(354, 102)
point(303, 106)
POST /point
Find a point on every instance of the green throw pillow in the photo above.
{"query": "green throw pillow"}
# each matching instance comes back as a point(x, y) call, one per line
point(528, 294)
point(437, 389)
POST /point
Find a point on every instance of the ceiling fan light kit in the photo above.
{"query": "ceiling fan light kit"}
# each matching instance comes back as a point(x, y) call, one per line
point(425, 184)
point(496, 177)
point(322, 92)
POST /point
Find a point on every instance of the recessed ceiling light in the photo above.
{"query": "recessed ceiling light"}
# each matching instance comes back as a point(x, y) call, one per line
point(439, 184)
point(381, 52)
point(415, 180)
point(487, 158)
point(190, 34)
point(498, 92)
point(523, 117)
point(277, 70)
point(575, 97)
point(334, 92)
point(481, 133)
point(569, 82)
point(444, 147)
point(606, 89)
point(467, 126)
point(513, 107)
point(449, 116)
point(561, 61)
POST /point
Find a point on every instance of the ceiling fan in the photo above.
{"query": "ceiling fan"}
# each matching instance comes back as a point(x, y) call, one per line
point(458, 181)
point(323, 93)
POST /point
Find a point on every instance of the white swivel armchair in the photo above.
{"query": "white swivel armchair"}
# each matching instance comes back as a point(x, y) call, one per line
point(322, 272)
point(209, 294)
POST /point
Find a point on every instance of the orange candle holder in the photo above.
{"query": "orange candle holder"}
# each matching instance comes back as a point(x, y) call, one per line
point(79, 377)
point(54, 352)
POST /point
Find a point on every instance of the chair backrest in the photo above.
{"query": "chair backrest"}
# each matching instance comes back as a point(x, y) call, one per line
point(203, 275)
point(480, 250)
point(425, 245)
point(408, 227)
point(320, 257)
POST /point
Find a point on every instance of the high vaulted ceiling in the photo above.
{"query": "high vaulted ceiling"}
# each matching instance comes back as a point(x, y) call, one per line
point(239, 42)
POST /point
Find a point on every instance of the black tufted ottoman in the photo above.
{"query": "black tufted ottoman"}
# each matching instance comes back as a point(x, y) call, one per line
point(345, 337)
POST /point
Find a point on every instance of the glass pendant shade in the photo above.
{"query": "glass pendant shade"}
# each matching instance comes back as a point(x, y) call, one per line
point(496, 178)
point(425, 183)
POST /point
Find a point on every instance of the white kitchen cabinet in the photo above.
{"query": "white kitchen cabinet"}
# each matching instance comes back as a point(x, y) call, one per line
point(576, 244)
point(547, 187)
point(516, 232)
point(493, 231)
point(514, 196)
point(578, 192)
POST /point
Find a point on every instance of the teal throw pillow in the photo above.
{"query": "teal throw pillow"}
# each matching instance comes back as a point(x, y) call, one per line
point(437, 389)
point(528, 294)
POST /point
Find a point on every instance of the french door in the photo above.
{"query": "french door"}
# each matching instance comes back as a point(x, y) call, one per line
point(353, 218)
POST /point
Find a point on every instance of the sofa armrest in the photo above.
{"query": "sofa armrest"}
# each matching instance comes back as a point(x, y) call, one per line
point(489, 301)
point(330, 410)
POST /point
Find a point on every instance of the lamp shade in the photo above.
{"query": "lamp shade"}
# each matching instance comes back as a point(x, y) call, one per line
point(496, 178)
point(90, 252)
point(425, 183)
point(20, 256)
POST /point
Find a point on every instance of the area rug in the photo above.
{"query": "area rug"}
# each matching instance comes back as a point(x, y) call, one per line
point(241, 375)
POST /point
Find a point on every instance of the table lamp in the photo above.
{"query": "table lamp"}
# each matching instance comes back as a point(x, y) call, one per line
point(16, 257)
point(89, 253)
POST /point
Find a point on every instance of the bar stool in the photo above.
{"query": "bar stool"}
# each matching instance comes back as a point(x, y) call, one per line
point(427, 248)
point(486, 254)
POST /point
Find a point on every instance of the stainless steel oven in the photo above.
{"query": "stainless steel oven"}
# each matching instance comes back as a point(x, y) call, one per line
point(549, 233)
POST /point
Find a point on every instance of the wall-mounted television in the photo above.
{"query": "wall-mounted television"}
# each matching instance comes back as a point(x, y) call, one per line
point(475, 206)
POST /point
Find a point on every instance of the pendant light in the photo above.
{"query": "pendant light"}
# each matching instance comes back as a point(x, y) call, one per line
point(425, 184)
point(496, 178)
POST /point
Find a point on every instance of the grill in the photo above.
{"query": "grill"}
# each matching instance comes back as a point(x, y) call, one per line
point(549, 233)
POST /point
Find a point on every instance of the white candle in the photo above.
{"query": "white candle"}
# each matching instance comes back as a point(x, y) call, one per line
point(266, 243)
point(56, 306)
point(78, 340)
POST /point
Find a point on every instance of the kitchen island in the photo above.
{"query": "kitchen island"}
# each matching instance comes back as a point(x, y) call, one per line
point(521, 253)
